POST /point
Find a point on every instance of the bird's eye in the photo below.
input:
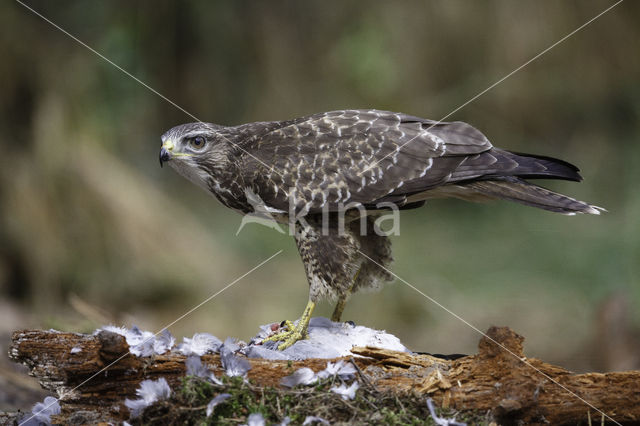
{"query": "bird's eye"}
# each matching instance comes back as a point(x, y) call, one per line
point(197, 142)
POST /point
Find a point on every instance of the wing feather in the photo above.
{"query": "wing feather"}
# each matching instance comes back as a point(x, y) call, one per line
point(354, 156)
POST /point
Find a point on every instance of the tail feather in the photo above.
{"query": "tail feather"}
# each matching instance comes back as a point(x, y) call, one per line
point(518, 190)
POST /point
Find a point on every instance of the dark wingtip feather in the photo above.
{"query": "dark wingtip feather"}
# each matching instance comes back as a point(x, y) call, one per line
point(555, 168)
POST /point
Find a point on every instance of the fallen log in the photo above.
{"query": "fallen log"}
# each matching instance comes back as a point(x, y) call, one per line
point(93, 374)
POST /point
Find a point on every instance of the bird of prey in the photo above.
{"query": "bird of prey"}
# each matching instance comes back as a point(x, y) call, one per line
point(306, 169)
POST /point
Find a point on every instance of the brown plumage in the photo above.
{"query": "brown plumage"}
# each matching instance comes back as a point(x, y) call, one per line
point(359, 159)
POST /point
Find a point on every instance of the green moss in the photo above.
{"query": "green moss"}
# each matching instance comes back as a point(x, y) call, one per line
point(188, 405)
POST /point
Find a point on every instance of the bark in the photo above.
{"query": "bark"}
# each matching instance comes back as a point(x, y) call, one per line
point(94, 379)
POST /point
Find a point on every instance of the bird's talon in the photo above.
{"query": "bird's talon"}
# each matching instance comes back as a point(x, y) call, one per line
point(294, 332)
point(289, 337)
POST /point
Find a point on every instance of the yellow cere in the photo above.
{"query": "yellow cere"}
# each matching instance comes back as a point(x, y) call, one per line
point(168, 145)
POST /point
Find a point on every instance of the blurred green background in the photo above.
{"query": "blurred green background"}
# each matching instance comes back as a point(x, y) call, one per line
point(93, 231)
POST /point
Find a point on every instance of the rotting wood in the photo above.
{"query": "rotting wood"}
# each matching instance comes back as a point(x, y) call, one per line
point(511, 386)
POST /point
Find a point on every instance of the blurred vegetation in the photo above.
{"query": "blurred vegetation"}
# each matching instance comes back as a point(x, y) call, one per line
point(92, 230)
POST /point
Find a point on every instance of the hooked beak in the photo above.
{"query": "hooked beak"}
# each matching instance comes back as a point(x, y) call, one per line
point(165, 155)
point(165, 152)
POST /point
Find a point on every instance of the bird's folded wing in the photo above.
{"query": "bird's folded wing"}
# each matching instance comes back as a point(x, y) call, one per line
point(354, 156)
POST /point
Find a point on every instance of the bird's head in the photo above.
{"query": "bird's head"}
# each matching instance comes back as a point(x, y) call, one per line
point(196, 151)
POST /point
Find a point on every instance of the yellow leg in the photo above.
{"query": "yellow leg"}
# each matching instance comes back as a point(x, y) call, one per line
point(337, 312)
point(294, 332)
point(342, 301)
